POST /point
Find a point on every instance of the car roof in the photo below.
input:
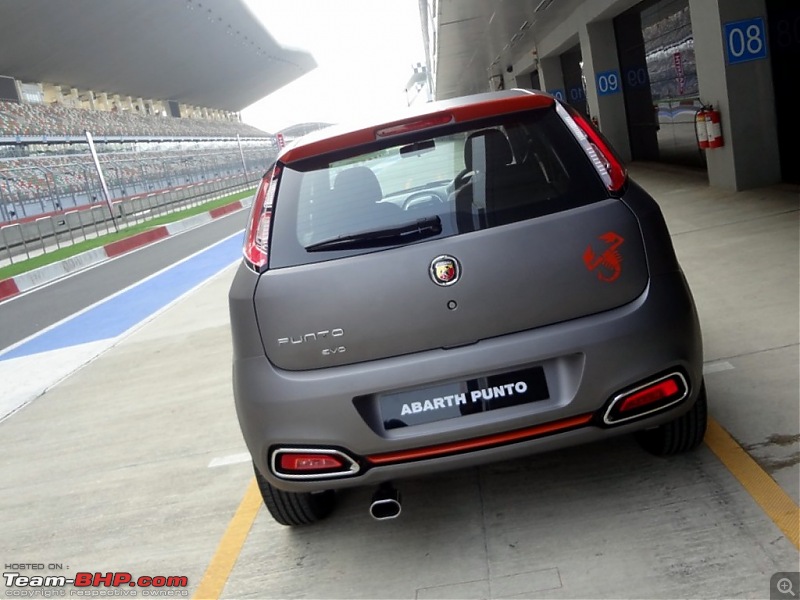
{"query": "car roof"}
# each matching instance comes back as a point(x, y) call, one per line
point(430, 115)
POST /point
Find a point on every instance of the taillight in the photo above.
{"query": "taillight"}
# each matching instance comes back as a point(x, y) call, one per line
point(603, 157)
point(256, 241)
point(312, 463)
point(648, 398)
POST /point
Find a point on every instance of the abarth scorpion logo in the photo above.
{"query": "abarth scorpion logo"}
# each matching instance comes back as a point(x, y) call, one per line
point(607, 265)
point(444, 270)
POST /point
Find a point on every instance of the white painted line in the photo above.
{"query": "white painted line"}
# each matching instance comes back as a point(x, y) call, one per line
point(31, 376)
point(8, 349)
point(95, 265)
point(716, 367)
point(231, 459)
point(27, 377)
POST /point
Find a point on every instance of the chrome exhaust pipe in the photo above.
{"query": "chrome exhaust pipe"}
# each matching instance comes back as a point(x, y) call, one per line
point(385, 503)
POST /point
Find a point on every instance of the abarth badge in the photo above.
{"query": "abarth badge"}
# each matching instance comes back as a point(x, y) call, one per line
point(445, 270)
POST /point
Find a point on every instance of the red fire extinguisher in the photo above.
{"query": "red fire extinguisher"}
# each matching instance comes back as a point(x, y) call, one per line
point(713, 128)
point(701, 128)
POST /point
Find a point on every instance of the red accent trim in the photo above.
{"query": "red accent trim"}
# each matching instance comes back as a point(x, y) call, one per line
point(224, 210)
point(331, 140)
point(8, 288)
point(481, 442)
point(140, 239)
point(502, 106)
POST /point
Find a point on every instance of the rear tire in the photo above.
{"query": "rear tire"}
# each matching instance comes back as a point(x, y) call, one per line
point(681, 435)
point(295, 508)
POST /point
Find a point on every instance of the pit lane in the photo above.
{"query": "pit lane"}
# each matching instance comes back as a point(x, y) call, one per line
point(135, 463)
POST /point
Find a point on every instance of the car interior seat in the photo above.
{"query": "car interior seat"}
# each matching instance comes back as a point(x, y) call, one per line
point(358, 195)
point(486, 154)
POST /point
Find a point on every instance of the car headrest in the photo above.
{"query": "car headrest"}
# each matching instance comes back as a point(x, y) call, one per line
point(494, 145)
point(360, 184)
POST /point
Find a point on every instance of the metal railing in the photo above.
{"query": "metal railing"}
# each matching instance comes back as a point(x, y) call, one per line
point(23, 240)
point(47, 203)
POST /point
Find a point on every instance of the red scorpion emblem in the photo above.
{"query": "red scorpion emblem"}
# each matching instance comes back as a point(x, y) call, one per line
point(608, 264)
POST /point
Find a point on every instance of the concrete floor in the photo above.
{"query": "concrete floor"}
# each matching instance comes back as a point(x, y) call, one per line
point(109, 470)
point(741, 254)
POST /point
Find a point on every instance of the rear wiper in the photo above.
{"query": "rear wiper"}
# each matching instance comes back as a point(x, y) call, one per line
point(388, 236)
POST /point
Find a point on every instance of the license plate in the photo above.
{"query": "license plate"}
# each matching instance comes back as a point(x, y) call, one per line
point(452, 400)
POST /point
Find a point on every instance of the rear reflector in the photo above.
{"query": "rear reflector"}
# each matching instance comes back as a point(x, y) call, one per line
point(604, 159)
point(646, 399)
point(648, 396)
point(311, 463)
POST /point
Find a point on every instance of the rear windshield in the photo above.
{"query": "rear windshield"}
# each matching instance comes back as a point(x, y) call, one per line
point(462, 180)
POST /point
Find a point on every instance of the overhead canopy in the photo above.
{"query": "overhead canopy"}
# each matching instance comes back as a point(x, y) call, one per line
point(303, 128)
point(477, 39)
point(210, 53)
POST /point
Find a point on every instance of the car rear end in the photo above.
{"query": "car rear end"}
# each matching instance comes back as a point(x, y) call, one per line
point(504, 289)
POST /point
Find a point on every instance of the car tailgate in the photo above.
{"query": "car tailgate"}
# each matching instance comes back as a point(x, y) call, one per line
point(511, 278)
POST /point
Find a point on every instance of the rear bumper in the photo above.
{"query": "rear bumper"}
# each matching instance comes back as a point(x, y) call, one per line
point(587, 361)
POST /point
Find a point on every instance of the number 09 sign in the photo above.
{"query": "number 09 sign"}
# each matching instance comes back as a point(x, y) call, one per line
point(608, 82)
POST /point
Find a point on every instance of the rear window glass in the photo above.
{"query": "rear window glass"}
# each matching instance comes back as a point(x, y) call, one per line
point(453, 183)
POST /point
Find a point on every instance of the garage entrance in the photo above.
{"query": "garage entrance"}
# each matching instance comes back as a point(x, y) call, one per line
point(655, 45)
point(784, 45)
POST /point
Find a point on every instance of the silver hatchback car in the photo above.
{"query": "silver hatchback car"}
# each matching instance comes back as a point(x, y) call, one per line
point(476, 280)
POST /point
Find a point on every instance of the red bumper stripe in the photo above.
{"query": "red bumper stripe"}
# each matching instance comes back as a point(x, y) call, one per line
point(481, 442)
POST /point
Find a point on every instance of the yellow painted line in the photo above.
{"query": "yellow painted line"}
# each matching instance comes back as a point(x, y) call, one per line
point(763, 489)
point(230, 545)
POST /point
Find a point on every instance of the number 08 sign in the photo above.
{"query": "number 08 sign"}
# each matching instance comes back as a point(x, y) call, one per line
point(745, 40)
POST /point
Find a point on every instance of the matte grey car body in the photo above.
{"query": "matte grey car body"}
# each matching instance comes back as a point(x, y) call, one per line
point(495, 286)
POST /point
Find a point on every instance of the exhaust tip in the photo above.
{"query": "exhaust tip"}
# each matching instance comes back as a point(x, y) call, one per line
point(385, 503)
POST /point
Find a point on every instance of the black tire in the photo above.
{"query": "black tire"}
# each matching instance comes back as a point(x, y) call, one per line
point(295, 508)
point(681, 435)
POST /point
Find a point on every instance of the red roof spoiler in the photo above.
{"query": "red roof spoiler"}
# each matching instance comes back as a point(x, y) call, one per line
point(435, 114)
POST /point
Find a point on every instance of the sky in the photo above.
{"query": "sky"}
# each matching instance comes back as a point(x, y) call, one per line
point(365, 51)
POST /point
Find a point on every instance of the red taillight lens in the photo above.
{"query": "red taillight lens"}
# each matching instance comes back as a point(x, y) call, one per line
point(312, 463)
point(648, 398)
point(298, 463)
point(256, 241)
point(649, 395)
point(604, 159)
